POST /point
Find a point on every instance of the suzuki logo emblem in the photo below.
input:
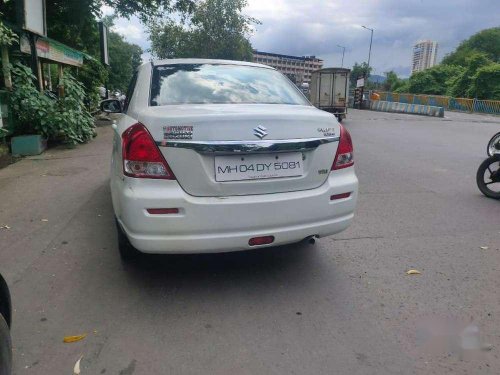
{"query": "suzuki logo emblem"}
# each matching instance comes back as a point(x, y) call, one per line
point(260, 131)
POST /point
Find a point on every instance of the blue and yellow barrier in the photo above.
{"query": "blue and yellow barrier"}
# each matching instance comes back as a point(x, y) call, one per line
point(417, 109)
point(447, 102)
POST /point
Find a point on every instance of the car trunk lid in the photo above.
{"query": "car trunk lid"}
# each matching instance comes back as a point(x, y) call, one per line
point(211, 147)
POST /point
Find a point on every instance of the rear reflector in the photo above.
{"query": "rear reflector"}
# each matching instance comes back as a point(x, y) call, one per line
point(340, 196)
point(261, 240)
point(162, 211)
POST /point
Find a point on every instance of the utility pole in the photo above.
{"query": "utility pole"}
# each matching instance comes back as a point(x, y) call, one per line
point(369, 52)
point(343, 52)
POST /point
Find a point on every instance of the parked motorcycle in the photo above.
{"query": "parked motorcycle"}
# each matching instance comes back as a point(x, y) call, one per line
point(488, 177)
point(493, 145)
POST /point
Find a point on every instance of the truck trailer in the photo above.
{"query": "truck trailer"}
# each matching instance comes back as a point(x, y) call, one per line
point(329, 90)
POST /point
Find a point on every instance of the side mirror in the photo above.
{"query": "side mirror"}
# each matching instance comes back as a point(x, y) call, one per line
point(111, 106)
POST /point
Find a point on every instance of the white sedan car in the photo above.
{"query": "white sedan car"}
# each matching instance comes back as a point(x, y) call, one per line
point(215, 155)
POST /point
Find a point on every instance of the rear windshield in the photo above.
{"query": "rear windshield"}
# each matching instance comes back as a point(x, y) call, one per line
point(212, 83)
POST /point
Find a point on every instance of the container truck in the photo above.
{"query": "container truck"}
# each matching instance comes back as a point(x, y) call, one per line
point(329, 90)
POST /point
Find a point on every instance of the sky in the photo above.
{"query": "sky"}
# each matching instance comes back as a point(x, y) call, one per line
point(316, 27)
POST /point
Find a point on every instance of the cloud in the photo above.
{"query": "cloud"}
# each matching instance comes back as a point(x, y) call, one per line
point(131, 32)
point(107, 10)
point(315, 27)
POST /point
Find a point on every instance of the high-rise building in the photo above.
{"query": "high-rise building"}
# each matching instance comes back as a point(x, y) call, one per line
point(297, 68)
point(424, 55)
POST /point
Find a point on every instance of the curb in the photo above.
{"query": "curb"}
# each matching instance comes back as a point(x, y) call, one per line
point(416, 109)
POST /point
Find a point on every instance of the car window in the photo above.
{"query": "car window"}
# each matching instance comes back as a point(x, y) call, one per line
point(220, 83)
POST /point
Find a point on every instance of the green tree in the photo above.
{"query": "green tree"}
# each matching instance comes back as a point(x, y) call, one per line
point(486, 83)
point(93, 75)
point(424, 83)
point(486, 41)
point(170, 39)
point(74, 22)
point(74, 13)
point(460, 86)
point(216, 29)
point(434, 81)
point(404, 87)
point(392, 81)
point(124, 58)
point(357, 71)
point(148, 9)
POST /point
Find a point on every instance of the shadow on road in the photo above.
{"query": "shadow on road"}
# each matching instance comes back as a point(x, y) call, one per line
point(262, 270)
point(243, 266)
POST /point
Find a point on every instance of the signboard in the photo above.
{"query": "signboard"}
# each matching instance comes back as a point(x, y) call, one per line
point(34, 16)
point(53, 51)
point(360, 82)
point(103, 31)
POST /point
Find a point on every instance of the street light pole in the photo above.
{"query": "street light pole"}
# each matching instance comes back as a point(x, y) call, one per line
point(369, 52)
point(343, 52)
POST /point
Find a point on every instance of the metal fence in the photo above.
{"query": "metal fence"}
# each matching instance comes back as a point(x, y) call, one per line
point(448, 103)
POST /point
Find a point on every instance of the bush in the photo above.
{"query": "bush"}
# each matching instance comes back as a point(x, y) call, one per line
point(92, 75)
point(486, 83)
point(7, 36)
point(435, 80)
point(65, 118)
point(461, 85)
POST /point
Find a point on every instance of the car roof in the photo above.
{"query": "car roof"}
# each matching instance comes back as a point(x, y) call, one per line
point(208, 61)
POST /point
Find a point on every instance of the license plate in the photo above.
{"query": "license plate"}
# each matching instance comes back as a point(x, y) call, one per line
point(257, 167)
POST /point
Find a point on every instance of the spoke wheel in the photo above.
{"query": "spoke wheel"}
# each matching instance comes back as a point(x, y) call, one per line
point(488, 177)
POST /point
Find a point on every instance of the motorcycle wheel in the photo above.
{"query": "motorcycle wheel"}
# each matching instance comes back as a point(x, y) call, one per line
point(5, 348)
point(488, 177)
point(493, 145)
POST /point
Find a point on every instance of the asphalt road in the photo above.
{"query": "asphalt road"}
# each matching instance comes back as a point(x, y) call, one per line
point(342, 306)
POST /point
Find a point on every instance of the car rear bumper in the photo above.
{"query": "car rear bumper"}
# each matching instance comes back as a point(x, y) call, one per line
point(221, 224)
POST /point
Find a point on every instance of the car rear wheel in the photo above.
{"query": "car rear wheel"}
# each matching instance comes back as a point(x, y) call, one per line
point(5, 348)
point(127, 251)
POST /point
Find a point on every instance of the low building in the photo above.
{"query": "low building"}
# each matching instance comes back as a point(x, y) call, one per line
point(297, 68)
point(424, 55)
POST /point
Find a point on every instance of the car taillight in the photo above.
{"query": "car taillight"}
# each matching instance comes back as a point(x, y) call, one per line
point(344, 157)
point(141, 156)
